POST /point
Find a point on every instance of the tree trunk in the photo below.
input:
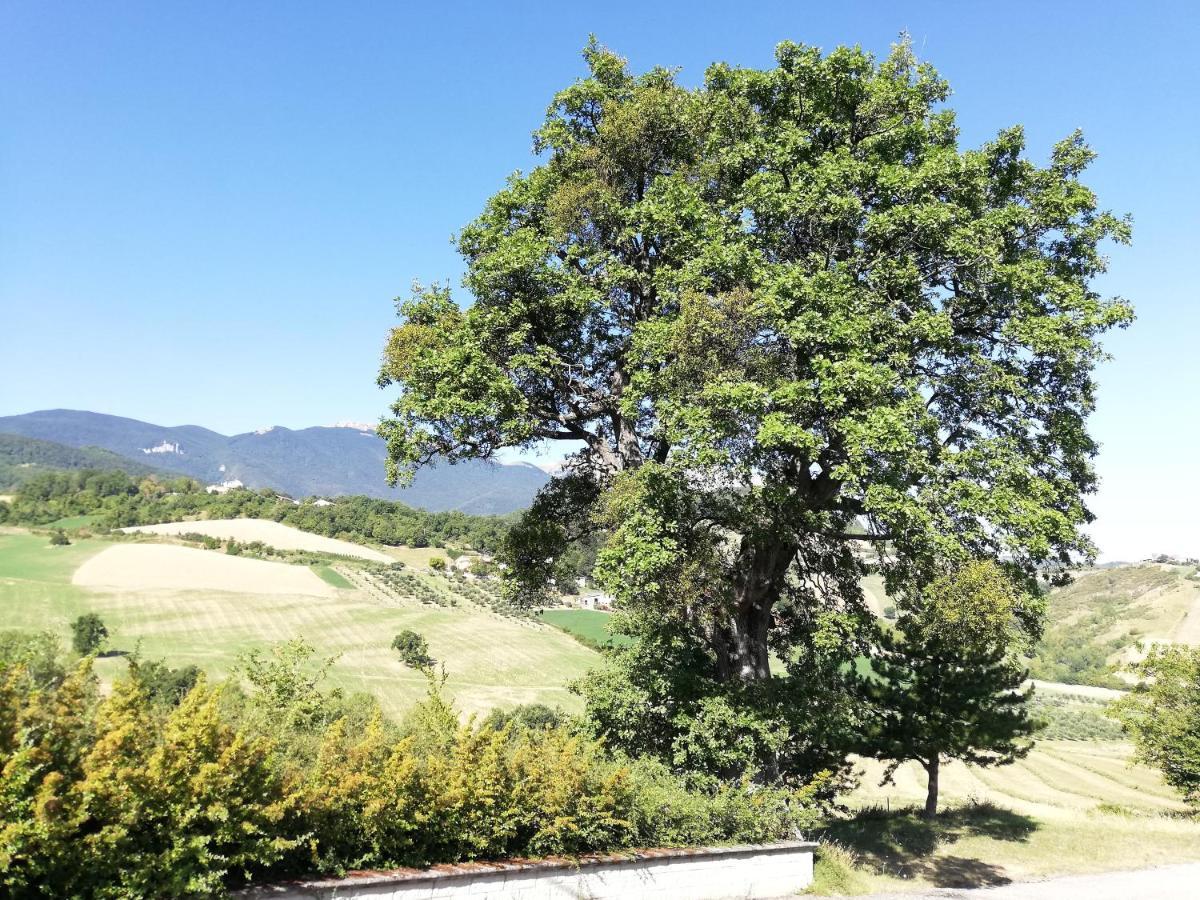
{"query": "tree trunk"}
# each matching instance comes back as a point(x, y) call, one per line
point(741, 643)
point(931, 797)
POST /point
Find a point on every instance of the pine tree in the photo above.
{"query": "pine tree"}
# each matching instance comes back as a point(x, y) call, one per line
point(948, 681)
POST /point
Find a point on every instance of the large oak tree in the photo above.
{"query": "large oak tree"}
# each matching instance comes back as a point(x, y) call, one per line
point(791, 327)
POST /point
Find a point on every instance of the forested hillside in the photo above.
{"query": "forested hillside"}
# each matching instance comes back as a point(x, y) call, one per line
point(1107, 618)
point(21, 458)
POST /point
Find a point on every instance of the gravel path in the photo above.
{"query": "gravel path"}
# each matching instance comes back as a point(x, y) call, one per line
point(1165, 883)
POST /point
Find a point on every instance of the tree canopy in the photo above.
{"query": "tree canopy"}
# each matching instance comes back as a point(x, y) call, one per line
point(1162, 716)
point(792, 329)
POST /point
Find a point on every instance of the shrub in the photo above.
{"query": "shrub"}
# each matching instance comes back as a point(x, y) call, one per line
point(59, 539)
point(108, 800)
point(37, 654)
point(162, 683)
point(437, 563)
point(413, 650)
point(88, 634)
point(527, 716)
point(125, 796)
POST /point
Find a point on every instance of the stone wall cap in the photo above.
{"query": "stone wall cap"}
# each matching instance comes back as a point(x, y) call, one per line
point(451, 870)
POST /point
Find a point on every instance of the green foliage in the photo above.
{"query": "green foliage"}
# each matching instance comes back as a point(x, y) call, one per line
point(413, 650)
point(437, 563)
point(1163, 717)
point(118, 500)
point(123, 796)
point(979, 607)
point(58, 538)
point(286, 686)
point(107, 798)
point(88, 634)
point(1062, 717)
point(39, 656)
point(786, 315)
point(536, 716)
point(663, 698)
point(948, 684)
point(161, 683)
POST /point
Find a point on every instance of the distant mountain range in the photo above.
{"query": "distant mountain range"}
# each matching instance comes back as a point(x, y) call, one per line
point(320, 461)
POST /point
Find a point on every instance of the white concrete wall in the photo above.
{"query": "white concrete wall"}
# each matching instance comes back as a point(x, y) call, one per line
point(713, 873)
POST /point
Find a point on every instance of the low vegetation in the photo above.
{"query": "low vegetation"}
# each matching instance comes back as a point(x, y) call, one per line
point(140, 793)
point(1067, 717)
point(1095, 624)
point(1058, 811)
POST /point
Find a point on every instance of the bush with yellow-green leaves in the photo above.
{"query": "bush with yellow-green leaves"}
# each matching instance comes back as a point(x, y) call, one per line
point(138, 793)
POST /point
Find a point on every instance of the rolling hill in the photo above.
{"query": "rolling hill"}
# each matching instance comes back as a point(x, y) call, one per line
point(1107, 618)
point(23, 457)
point(172, 601)
point(319, 461)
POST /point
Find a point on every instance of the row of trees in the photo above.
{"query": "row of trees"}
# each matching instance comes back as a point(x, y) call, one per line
point(121, 500)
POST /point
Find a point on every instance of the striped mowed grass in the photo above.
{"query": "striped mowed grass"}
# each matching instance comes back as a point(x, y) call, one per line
point(1068, 807)
point(491, 660)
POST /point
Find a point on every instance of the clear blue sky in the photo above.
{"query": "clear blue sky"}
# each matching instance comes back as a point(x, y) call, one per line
point(206, 209)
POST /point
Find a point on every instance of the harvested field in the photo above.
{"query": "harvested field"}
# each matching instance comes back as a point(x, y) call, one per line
point(165, 567)
point(185, 605)
point(1068, 807)
point(273, 534)
point(1058, 779)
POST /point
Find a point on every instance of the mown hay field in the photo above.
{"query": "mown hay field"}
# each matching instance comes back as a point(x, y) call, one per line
point(491, 660)
point(1069, 807)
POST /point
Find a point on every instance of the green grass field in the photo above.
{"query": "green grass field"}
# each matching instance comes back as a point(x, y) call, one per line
point(72, 522)
point(491, 660)
point(35, 581)
point(333, 577)
point(589, 624)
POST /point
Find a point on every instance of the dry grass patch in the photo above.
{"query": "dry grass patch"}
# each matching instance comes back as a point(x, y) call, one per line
point(165, 567)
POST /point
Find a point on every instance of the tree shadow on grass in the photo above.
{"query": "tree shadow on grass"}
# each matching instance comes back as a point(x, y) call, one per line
point(902, 844)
